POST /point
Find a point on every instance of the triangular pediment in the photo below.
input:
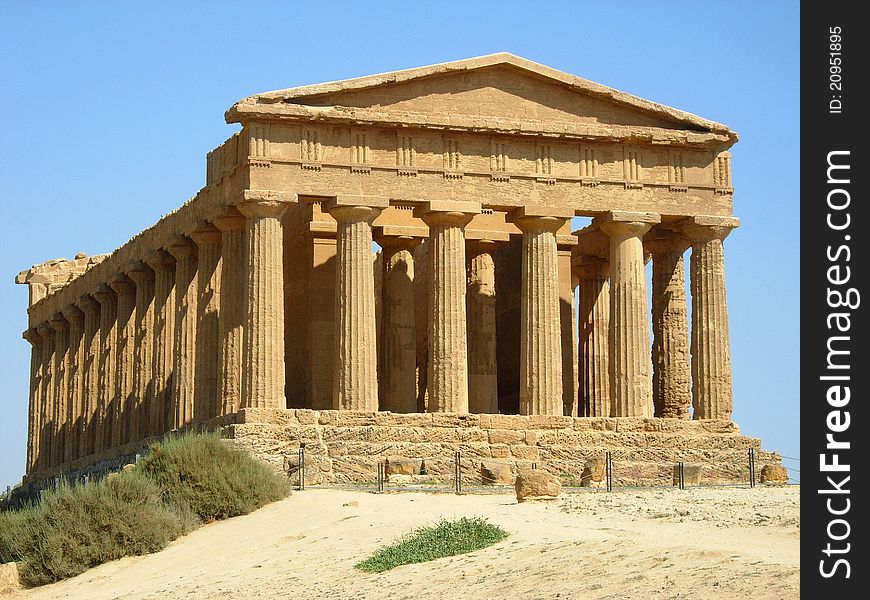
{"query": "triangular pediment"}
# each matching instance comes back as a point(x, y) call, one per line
point(488, 88)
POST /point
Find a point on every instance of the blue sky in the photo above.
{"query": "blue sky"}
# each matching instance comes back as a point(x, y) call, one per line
point(108, 109)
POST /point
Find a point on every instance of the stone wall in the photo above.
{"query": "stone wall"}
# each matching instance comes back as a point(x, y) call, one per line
point(345, 447)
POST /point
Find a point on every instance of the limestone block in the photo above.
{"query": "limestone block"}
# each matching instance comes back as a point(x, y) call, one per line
point(537, 484)
point(635, 424)
point(9, 577)
point(719, 426)
point(594, 472)
point(577, 439)
point(550, 422)
point(455, 420)
point(504, 422)
point(471, 434)
point(506, 436)
point(317, 468)
point(691, 474)
point(525, 452)
point(496, 473)
point(774, 475)
point(389, 419)
point(306, 416)
point(397, 465)
point(595, 423)
point(350, 418)
point(278, 416)
point(500, 451)
point(532, 438)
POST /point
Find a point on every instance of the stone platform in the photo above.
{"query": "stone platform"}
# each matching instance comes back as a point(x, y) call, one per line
point(345, 446)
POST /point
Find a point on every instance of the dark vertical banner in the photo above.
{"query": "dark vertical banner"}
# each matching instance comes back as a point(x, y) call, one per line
point(835, 299)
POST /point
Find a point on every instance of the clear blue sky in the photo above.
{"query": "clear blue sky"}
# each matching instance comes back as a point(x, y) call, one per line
point(108, 109)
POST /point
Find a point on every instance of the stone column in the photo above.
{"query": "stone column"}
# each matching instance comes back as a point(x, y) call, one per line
point(630, 362)
point(108, 336)
point(670, 349)
point(184, 354)
point(90, 372)
point(480, 298)
point(46, 417)
point(122, 415)
point(59, 379)
point(263, 341)
point(568, 332)
point(143, 352)
point(398, 365)
point(447, 379)
point(540, 313)
point(160, 415)
point(355, 379)
point(35, 398)
point(711, 352)
point(231, 313)
point(75, 381)
point(594, 333)
point(208, 240)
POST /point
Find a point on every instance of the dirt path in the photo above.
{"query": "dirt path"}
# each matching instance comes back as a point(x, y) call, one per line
point(728, 543)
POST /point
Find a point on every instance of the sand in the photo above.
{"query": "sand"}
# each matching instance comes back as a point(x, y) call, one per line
point(697, 543)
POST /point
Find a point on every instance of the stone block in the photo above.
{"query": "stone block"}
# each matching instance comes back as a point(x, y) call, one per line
point(496, 473)
point(500, 451)
point(537, 484)
point(306, 416)
point(9, 577)
point(455, 420)
point(525, 452)
point(506, 436)
point(594, 473)
point(397, 465)
point(275, 416)
point(691, 474)
point(550, 422)
point(631, 424)
point(594, 424)
point(389, 419)
point(774, 475)
point(532, 438)
point(504, 422)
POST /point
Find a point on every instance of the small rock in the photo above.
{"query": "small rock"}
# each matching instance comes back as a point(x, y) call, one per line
point(9, 577)
point(537, 484)
point(352, 503)
point(397, 465)
point(774, 475)
point(494, 473)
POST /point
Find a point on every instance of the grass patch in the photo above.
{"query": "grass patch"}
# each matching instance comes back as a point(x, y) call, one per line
point(446, 538)
point(189, 479)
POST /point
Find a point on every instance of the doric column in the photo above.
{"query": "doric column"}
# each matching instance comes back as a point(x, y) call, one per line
point(143, 352)
point(208, 240)
point(263, 340)
point(160, 415)
point(540, 316)
point(46, 417)
point(567, 331)
point(75, 381)
point(35, 398)
point(108, 337)
point(355, 379)
point(480, 299)
point(122, 415)
point(398, 365)
point(630, 363)
point(594, 333)
point(232, 308)
point(670, 349)
point(59, 379)
point(184, 350)
point(711, 351)
point(90, 372)
point(448, 347)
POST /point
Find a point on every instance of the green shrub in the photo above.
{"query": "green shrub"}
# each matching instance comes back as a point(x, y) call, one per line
point(214, 480)
point(447, 538)
point(79, 527)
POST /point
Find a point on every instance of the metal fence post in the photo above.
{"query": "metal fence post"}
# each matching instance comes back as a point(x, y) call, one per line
point(301, 468)
point(752, 467)
point(458, 472)
point(608, 469)
point(381, 477)
point(681, 476)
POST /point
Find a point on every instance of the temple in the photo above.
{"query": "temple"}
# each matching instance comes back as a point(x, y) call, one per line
point(264, 291)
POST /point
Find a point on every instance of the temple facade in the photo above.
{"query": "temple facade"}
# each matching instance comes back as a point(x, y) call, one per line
point(264, 291)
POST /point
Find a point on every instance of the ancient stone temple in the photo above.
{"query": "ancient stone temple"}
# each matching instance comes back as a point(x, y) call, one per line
point(261, 300)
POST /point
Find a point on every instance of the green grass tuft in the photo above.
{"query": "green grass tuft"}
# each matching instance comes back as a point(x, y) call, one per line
point(446, 538)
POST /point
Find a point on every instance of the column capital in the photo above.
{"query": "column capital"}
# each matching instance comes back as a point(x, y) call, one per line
point(230, 221)
point(181, 247)
point(356, 208)
point(44, 330)
point(32, 336)
point(87, 304)
point(482, 246)
point(73, 314)
point(395, 243)
point(591, 267)
point(140, 273)
point(447, 212)
point(701, 229)
point(663, 241)
point(205, 234)
point(160, 260)
point(535, 216)
point(58, 323)
point(105, 295)
point(616, 229)
point(259, 208)
point(122, 285)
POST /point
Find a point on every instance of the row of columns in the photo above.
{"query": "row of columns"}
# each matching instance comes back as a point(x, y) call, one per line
point(192, 331)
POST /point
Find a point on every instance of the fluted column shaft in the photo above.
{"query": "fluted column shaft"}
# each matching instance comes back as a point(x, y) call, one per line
point(355, 379)
point(184, 358)
point(208, 240)
point(35, 397)
point(447, 379)
point(160, 414)
point(711, 350)
point(90, 372)
point(75, 382)
point(397, 368)
point(540, 318)
point(482, 370)
point(594, 334)
point(108, 336)
point(263, 345)
point(670, 349)
point(61, 365)
point(630, 363)
point(122, 415)
point(46, 418)
point(231, 313)
point(143, 352)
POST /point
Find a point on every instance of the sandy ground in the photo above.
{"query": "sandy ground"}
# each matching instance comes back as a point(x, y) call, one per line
point(698, 543)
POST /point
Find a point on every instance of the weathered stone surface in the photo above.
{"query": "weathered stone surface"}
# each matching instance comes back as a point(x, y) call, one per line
point(9, 577)
point(691, 474)
point(594, 472)
point(496, 473)
point(396, 465)
point(537, 484)
point(774, 475)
